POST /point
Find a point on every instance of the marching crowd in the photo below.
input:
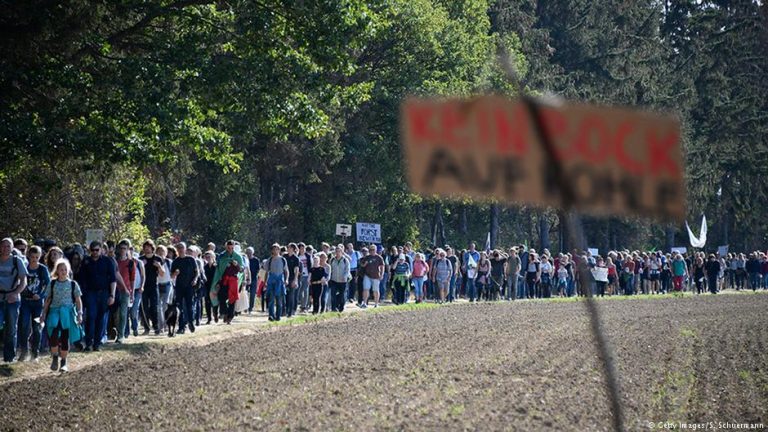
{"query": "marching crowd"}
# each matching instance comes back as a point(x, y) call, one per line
point(74, 298)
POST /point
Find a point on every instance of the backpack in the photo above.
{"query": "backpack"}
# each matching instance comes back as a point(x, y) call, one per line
point(53, 283)
point(131, 273)
point(285, 263)
point(444, 264)
point(14, 272)
point(132, 270)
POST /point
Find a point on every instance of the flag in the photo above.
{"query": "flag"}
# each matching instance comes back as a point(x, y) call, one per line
point(701, 240)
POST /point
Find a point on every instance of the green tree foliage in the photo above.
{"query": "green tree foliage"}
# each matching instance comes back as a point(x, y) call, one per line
point(275, 120)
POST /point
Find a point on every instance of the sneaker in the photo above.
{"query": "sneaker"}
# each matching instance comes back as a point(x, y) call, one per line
point(88, 348)
point(136, 333)
point(119, 341)
point(64, 367)
point(54, 363)
point(191, 328)
point(96, 348)
point(157, 331)
point(146, 332)
point(375, 305)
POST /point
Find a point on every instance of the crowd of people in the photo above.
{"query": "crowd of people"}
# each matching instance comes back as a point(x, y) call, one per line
point(73, 298)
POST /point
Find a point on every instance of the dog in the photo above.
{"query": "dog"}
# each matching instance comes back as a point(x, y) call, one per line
point(171, 318)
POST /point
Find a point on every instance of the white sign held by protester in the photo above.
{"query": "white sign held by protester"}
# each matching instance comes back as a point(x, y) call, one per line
point(600, 274)
point(368, 232)
point(722, 250)
point(593, 251)
point(682, 250)
point(344, 230)
point(93, 235)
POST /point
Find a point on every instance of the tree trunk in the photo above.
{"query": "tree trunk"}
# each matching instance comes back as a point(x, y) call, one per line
point(463, 228)
point(170, 198)
point(669, 232)
point(565, 241)
point(438, 228)
point(494, 229)
point(543, 231)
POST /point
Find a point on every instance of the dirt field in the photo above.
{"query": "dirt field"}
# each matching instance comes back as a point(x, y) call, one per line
point(521, 366)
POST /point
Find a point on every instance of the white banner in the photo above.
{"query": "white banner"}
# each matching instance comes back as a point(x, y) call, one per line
point(701, 240)
point(368, 232)
point(681, 249)
point(722, 250)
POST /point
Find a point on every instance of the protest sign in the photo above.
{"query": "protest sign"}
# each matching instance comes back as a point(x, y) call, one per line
point(617, 161)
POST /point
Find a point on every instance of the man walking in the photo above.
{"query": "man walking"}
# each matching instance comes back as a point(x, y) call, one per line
point(513, 273)
point(254, 265)
point(13, 280)
point(306, 263)
point(226, 281)
point(353, 257)
point(293, 280)
point(277, 278)
point(340, 275)
point(128, 269)
point(185, 272)
point(153, 267)
point(469, 267)
point(372, 266)
point(98, 282)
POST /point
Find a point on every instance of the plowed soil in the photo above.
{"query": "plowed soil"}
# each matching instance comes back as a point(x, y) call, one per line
point(520, 366)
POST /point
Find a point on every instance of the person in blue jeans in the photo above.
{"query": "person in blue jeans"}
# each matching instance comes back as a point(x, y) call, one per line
point(277, 279)
point(32, 304)
point(97, 279)
point(469, 268)
point(13, 280)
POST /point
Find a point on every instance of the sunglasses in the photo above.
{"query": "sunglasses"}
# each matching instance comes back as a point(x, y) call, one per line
point(95, 250)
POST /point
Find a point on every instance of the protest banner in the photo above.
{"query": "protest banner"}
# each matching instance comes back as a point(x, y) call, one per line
point(616, 160)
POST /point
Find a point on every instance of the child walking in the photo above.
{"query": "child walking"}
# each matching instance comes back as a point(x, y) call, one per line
point(62, 314)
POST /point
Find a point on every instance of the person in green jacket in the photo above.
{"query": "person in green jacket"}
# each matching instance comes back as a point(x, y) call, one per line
point(227, 280)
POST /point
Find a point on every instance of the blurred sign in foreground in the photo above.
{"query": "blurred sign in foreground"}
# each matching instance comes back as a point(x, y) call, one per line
point(618, 161)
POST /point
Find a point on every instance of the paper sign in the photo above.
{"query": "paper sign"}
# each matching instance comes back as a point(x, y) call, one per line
point(600, 274)
point(722, 250)
point(618, 161)
point(593, 251)
point(93, 235)
point(682, 250)
point(343, 230)
point(368, 232)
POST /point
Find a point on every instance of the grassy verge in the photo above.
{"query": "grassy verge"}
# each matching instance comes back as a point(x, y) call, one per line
point(310, 319)
point(673, 395)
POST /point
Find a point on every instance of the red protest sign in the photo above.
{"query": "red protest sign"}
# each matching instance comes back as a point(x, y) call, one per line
point(617, 161)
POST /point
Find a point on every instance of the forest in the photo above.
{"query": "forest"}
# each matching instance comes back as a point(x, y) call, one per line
point(274, 120)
